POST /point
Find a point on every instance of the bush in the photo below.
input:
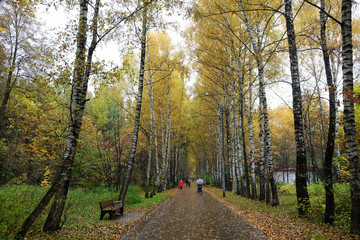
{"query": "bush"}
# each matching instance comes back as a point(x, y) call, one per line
point(287, 189)
point(342, 205)
point(208, 180)
point(133, 195)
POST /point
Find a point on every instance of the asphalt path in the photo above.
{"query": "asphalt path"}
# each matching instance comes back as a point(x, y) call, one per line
point(193, 215)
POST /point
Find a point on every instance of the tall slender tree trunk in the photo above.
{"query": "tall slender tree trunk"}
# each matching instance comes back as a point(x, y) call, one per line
point(148, 176)
point(301, 167)
point(322, 138)
point(335, 72)
point(130, 163)
point(163, 151)
point(228, 134)
point(53, 220)
point(236, 139)
point(221, 118)
point(246, 166)
point(118, 147)
point(262, 178)
point(168, 157)
point(249, 117)
point(150, 156)
point(166, 146)
point(328, 177)
point(218, 157)
point(78, 100)
point(177, 166)
point(349, 115)
point(310, 145)
point(221, 111)
point(237, 119)
point(237, 149)
point(269, 156)
point(157, 172)
point(267, 183)
point(233, 157)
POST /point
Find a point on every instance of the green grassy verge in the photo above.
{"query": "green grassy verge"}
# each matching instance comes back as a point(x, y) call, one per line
point(82, 208)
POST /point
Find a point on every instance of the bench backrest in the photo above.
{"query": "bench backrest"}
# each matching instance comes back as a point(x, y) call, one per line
point(107, 203)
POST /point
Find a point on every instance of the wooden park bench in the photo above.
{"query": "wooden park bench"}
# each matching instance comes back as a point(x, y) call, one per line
point(110, 207)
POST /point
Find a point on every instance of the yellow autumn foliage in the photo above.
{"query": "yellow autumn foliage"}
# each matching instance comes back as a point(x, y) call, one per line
point(47, 174)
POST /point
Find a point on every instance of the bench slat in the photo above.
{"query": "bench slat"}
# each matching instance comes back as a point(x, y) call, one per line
point(111, 207)
point(108, 203)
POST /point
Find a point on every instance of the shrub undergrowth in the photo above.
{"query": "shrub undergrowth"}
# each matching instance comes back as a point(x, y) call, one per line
point(287, 194)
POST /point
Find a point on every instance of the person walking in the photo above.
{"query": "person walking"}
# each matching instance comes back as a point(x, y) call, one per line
point(181, 183)
point(200, 184)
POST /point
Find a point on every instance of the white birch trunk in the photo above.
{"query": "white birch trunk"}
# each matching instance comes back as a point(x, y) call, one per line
point(262, 93)
point(349, 114)
point(157, 172)
point(262, 155)
point(163, 151)
point(301, 160)
point(249, 117)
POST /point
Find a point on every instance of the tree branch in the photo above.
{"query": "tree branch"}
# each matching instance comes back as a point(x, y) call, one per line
point(327, 14)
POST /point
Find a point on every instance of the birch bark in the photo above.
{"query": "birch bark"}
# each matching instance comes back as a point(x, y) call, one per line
point(237, 164)
point(249, 117)
point(310, 145)
point(163, 149)
point(349, 115)
point(150, 152)
point(262, 94)
point(130, 163)
point(166, 142)
point(218, 158)
point(151, 129)
point(262, 154)
point(301, 167)
point(229, 137)
point(157, 172)
point(328, 177)
point(78, 100)
point(168, 157)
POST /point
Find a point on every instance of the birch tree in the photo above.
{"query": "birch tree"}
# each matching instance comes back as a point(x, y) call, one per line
point(130, 162)
point(328, 177)
point(249, 116)
point(78, 100)
point(349, 116)
point(257, 48)
point(301, 162)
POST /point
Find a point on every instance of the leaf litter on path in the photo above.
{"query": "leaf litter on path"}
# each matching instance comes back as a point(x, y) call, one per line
point(276, 226)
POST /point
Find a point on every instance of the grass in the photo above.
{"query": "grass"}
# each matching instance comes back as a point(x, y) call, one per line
point(82, 211)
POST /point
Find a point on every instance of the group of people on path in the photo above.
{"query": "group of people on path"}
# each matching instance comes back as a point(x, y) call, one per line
point(181, 183)
point(199, 183)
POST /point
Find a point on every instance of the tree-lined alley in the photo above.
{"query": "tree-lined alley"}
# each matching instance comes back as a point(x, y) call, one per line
point(69, 120)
